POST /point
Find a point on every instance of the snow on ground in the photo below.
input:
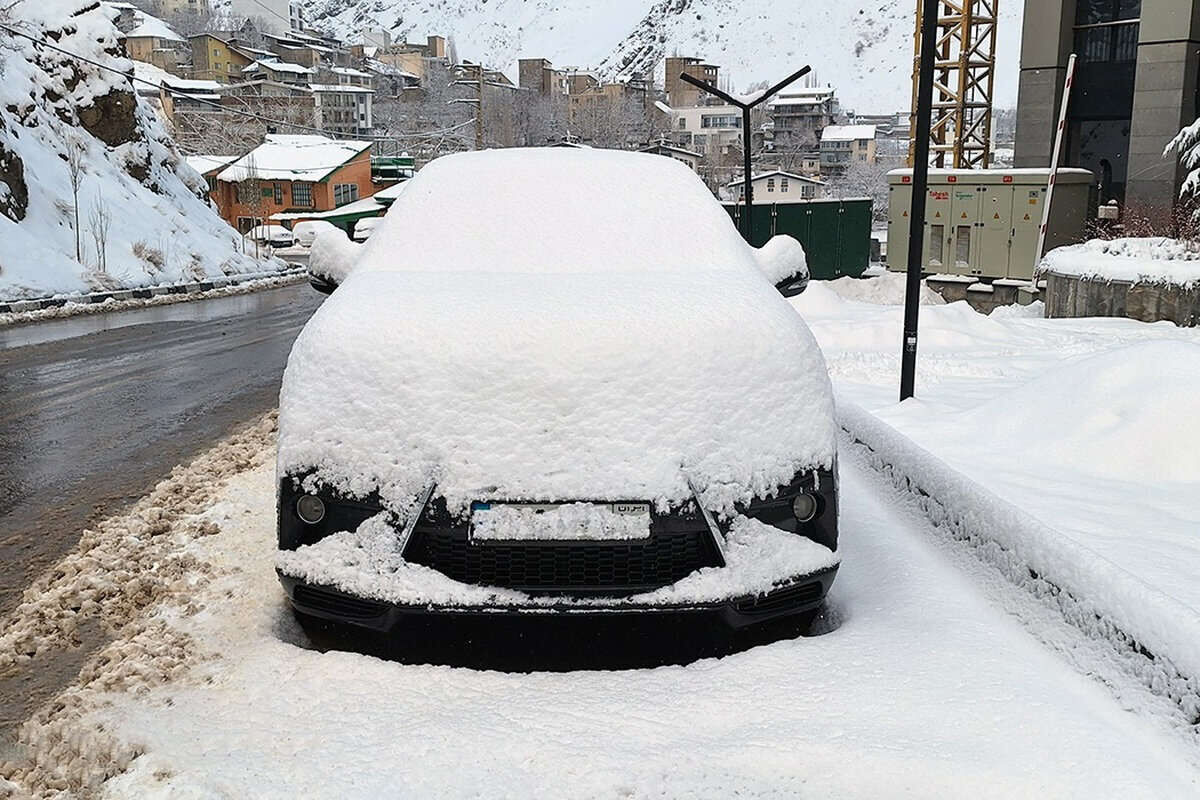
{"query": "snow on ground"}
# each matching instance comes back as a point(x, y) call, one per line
point(1088, 424)
point(143, 219)
point(1149, 260)
point(907, 697)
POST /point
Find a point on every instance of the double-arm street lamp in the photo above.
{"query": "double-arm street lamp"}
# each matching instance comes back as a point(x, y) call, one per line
point(746, 105)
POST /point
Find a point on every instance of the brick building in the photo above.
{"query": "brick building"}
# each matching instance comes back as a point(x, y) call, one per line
point(292, 173)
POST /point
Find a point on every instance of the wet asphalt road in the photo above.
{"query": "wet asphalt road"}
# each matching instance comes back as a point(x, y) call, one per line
point(88, 424)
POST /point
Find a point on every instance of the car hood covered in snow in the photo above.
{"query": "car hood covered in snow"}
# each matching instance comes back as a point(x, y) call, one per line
point(555, 387)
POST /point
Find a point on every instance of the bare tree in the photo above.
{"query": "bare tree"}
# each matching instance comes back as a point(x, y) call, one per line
point(100, 220)
point(75, 161)
point(249, 191)
point(864, 179)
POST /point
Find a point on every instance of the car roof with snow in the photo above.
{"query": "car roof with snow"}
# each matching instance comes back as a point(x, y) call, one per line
point(556, 210)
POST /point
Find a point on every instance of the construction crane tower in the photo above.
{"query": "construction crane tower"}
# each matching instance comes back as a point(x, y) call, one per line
point(964, 76)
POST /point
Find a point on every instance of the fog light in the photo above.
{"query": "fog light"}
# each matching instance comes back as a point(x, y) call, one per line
point(310, 509)
point(805, 507)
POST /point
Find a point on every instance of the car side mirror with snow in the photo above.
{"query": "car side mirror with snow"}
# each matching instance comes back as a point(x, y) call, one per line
point(331, 260)
point(322, 284)
point(783, 263)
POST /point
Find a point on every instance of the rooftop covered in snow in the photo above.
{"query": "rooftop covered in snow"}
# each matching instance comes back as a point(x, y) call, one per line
point(847, 133)
point(294, 157)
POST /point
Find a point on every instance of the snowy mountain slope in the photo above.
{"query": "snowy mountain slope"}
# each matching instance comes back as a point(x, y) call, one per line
point(158, 227)
point(863, 47)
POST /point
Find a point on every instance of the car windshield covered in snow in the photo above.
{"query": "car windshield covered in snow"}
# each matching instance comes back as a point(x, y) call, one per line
point(556, 345)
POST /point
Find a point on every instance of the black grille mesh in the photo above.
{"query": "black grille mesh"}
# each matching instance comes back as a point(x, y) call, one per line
point(565, 567)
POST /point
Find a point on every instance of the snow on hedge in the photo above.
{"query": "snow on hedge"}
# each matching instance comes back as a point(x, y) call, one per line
point(1149, 260)
point(160, 227)
point(526, 326)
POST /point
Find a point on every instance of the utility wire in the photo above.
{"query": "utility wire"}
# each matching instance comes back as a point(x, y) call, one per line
point(239, 112)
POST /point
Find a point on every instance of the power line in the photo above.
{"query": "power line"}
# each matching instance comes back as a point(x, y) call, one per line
point(239, 112)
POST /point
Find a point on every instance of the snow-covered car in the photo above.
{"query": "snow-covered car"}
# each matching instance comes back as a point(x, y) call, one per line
point(365, 227)
point(306, 231)
point(274, 235)
point(557, 380)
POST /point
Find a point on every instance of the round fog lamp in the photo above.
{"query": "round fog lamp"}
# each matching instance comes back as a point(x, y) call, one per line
point(805, 507)
point(310, 509)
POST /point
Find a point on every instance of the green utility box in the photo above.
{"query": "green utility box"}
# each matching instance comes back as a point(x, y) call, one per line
point(836, 234)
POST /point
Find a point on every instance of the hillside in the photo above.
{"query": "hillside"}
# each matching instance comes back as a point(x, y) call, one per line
point(864, 47)
point(142, 219)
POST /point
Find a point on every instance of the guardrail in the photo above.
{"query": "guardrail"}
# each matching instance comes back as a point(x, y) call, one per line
point(56, 301)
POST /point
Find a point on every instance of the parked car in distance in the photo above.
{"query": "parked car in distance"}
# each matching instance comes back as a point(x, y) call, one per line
point(365, 227)
point(306, 231)
point(274, 235)
point(512, 407)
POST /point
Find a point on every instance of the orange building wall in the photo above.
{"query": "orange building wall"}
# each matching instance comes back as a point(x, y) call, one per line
point(357, 171)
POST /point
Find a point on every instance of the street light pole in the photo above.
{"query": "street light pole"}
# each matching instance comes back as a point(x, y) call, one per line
point(920, 195)
point(746, 107)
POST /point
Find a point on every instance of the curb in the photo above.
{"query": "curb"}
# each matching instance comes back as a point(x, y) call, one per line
point(17, 306)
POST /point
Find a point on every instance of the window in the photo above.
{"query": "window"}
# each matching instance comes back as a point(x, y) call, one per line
point(683, 123)
point(1094, 12)
point(1106, 31)
point(808, 191)
point(344, 193)
point(783, 184)
point(962, 246)
point(770, 184)
point(278, 194)
point(720, 121)
point(936, 244)
point(302, 194)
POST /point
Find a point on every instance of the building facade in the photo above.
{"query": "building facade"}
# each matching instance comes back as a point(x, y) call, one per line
point(288, 174)
point(845, 145)
point(680, 93)
point(777, 186)
point(1136, 85)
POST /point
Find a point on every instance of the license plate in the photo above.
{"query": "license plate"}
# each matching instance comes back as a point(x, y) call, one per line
point(560, 521)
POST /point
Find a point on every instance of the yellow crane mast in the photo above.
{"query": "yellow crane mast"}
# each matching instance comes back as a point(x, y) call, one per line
point(964, 77)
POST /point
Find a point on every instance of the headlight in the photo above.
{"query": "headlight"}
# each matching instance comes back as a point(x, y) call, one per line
point(310, 509)
point(805, 507)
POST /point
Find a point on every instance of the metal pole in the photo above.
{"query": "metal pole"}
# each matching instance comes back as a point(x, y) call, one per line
point(920, 195)
point(747, 139)
point(748, 211)
point(1054, 159)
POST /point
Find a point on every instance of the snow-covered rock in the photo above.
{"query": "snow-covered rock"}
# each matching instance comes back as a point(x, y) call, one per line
point(159, 225)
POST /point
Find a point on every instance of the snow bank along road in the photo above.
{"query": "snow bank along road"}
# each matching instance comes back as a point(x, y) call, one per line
point(92, 422)
point(924, 688)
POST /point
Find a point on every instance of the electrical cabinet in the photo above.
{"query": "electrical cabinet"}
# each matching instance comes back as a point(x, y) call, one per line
point(984, 223)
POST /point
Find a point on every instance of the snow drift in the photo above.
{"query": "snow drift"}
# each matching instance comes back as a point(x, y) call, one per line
point(142, 216)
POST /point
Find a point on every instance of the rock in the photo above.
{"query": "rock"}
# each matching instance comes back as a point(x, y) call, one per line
point(112, 118)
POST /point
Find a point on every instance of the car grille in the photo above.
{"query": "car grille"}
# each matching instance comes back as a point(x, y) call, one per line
point(782, 599)
point(335, 603)
point(608, 568)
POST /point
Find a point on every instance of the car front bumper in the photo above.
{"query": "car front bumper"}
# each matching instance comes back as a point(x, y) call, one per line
point(795, 596)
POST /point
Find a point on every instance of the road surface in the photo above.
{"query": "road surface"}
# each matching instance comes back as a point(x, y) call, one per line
point(89, 424)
